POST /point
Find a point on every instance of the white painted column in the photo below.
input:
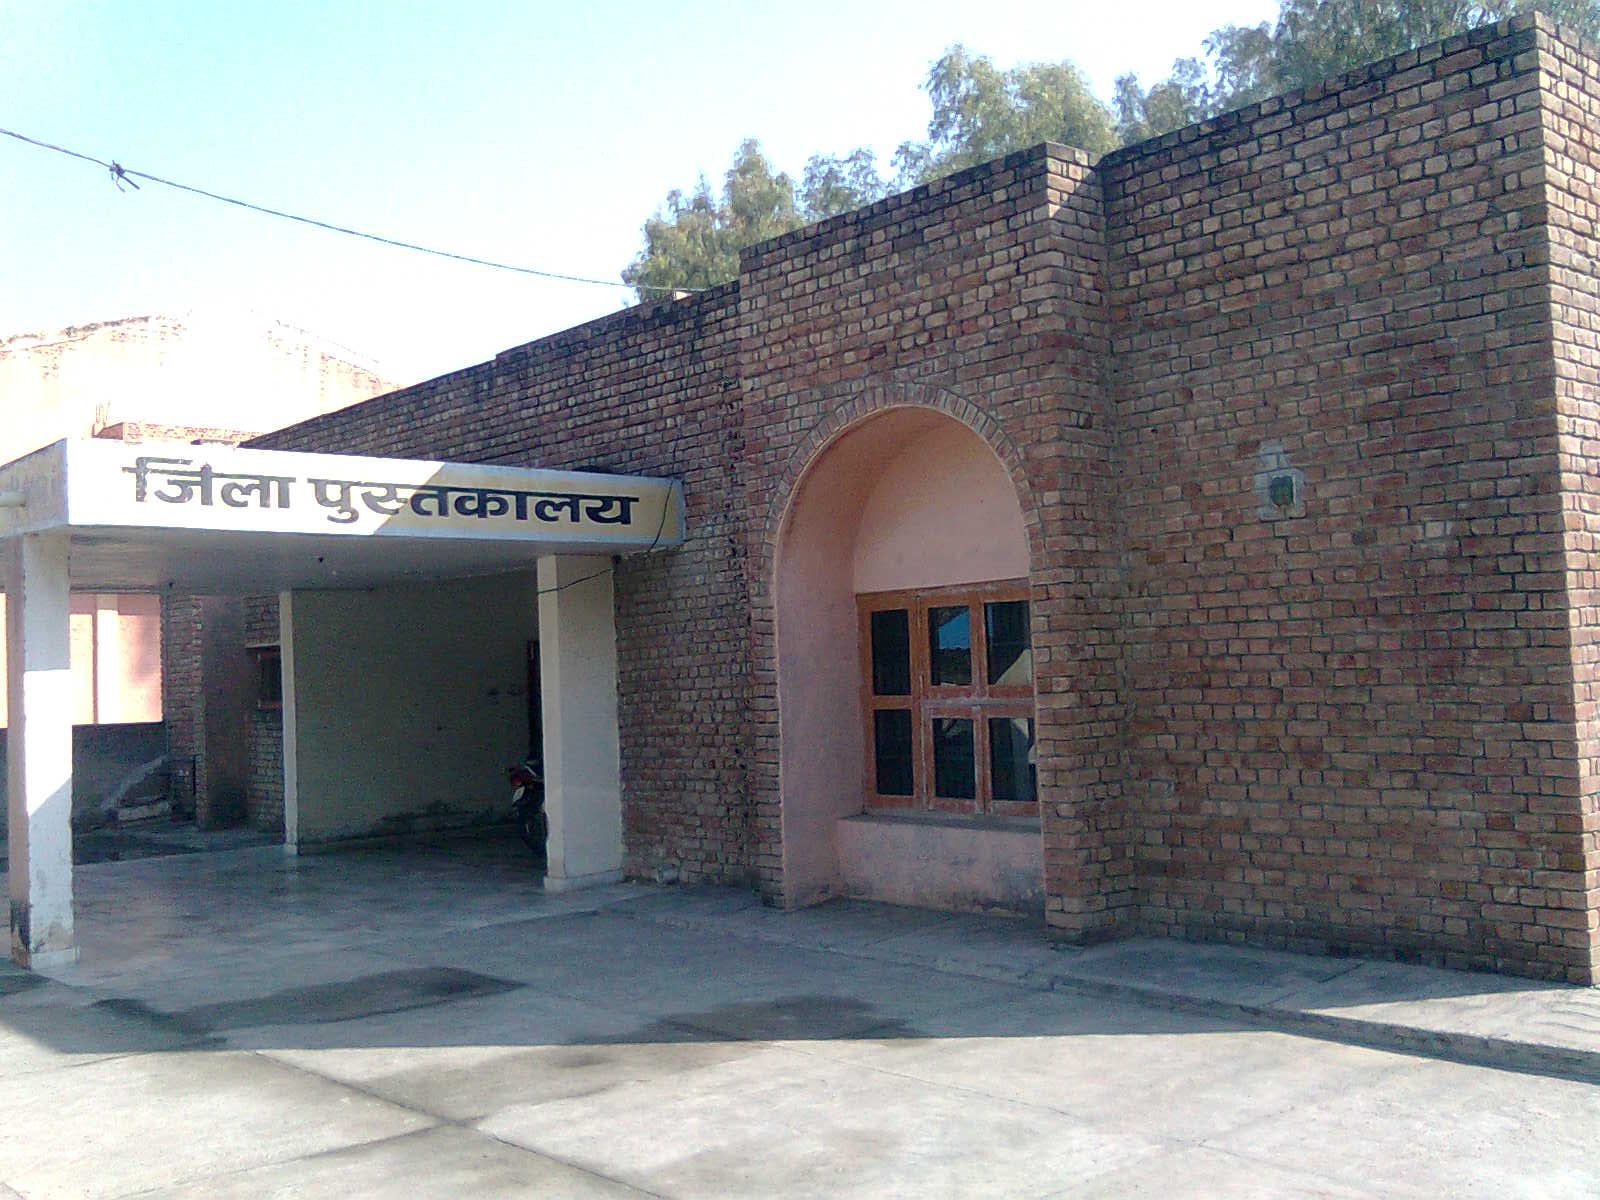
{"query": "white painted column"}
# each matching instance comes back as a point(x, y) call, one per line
point(108, 681)
point(39, 750)
point(290, 717)
point(578, 691)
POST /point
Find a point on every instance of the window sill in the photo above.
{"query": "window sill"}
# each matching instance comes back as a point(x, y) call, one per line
point(975, 822)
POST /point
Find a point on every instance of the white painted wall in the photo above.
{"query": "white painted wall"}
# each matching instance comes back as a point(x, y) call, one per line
point(200, 369)
point(407, 706)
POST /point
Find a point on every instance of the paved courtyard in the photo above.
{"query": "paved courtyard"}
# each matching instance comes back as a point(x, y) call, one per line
point(429, 1023)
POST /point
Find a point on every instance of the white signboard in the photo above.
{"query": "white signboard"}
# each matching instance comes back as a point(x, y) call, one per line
point(180, 486)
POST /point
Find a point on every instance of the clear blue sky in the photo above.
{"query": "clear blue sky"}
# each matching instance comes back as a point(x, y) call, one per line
point(534, 133)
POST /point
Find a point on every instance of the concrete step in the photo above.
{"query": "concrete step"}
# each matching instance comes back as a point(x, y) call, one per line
point(127, 813)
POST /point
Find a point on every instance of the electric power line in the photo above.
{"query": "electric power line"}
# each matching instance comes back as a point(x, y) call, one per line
point(121, 175)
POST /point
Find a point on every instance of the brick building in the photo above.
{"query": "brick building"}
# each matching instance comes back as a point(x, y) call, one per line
point(1200, 541)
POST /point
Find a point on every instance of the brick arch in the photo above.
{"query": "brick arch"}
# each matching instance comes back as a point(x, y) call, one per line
point(845, 409)
point(861, 405)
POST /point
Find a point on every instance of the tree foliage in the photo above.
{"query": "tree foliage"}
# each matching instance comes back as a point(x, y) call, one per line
point(693, 240)
point(1311, 41)
point(836, 184)
point(980, 112)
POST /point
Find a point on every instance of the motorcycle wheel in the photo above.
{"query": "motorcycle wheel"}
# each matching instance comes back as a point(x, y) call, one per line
point(533, 829)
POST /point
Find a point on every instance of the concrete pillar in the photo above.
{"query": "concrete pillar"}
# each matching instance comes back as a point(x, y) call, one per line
point(578, 693)
point(39, 750)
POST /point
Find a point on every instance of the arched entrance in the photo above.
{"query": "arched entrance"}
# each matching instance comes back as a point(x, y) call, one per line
point(904, 672)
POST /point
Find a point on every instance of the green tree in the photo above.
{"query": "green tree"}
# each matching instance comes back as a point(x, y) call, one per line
point(981, 112)
point(1312, 41)
point(693, 241)
point(1177, 101)
point(1315, 39)
point(835, 184)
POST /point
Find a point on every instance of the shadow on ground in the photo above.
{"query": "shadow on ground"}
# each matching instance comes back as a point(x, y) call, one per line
point(456, 944)
point(429, 1022)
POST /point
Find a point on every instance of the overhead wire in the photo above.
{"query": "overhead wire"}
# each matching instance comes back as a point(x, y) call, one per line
point(120, 175)
point(126, 175)
point(661, 527)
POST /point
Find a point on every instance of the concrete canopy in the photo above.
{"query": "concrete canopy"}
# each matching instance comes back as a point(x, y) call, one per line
point(159, 517)
point(315, 528)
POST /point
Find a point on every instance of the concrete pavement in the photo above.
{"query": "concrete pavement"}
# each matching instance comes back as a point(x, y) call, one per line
point(429, 1022)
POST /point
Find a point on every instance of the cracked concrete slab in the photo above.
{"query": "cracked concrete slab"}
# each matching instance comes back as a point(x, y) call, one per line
point(445, 1163)
point(139, 1121)
point(785, 1123)
point(412, 1023)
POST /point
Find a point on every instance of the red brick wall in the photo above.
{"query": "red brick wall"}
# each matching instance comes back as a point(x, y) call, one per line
point(1351, 727)
point(651, 391)
point(264, 789)
point(183, 699)
point(1571, 113)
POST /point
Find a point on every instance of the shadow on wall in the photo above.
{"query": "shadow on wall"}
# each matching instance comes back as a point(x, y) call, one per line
point(111, 764)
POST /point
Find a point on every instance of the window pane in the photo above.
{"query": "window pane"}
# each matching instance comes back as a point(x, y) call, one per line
point(891, 653)
point(953, 774)
point(949, 646)
point(1010, 652)
point(1011, 767)
point(891, 738)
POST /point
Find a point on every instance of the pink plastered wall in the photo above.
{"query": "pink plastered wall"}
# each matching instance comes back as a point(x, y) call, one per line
point(116, 658)
point(908, 499)
point(941, 512)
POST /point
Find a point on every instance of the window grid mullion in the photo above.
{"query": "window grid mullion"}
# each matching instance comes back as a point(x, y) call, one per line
point(976, 701)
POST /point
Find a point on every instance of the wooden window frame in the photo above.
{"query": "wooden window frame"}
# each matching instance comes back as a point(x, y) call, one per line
point(979, 701)
point(266, 661)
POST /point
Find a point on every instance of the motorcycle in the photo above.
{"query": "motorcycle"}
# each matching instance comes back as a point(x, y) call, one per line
point(527, 808)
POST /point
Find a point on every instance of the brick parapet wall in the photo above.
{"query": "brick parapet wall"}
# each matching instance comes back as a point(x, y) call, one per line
point(1571, 117)
point(652, 391)
point(1350, 720)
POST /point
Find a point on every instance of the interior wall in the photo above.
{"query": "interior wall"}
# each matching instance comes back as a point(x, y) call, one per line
point(910, 498)
point(409, 704)
point(230, 699)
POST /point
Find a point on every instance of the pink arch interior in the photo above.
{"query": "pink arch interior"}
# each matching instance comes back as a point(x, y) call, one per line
point(908, 499)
